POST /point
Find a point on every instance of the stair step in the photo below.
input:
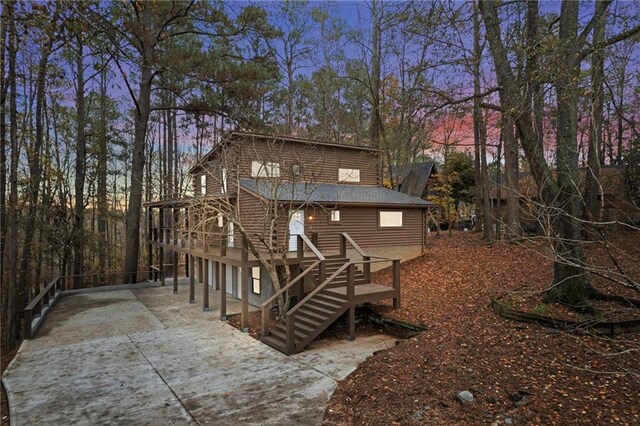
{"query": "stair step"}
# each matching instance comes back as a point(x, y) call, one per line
point(322, 309)
point(275, 344)
point(304, 319)
point(329, 297)
point(280, 334)
point(308, 315)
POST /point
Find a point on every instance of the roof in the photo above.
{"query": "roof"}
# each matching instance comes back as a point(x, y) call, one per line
point(612, 180)
point(415, 178)
point(235, 135)
point(331, 193)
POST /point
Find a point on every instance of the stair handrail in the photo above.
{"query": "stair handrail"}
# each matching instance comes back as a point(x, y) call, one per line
point(290, 337)
point(302, 239)
point(265, 304)
point(366, 267)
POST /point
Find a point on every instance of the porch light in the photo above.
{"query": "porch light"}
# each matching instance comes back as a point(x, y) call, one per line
point(310, 217)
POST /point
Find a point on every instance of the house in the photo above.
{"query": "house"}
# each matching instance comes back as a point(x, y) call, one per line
point(415, 179)
point(614, 200)
point(267, 205)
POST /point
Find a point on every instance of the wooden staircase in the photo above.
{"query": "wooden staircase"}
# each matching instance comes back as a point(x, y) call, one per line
point(318, 313)
point(335, 279)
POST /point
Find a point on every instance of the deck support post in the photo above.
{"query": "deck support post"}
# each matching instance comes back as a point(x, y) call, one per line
point(244, 295)
point(160, 238)
point(200, 270)
point(351, 316)
point(205, 286)
point(174, 229)
point(396, 283)
point(216, 275)
point(151, 272)
point(192, 280)
point(222, 274)
point(343, 246)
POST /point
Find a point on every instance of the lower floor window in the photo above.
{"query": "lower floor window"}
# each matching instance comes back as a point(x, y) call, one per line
point(255, 279)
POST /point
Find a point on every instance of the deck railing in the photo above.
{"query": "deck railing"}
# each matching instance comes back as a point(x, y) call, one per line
point(39, 307)
point(320, 263)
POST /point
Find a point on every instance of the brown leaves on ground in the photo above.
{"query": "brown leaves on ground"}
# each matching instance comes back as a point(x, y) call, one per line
point(519, 373)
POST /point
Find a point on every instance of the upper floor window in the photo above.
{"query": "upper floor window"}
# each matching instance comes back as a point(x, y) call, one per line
point(348, 175)
point(202, 189)
point(223, 188)
point(390, 219)
point(335, 216)
point(265, 169)
point(255, 279)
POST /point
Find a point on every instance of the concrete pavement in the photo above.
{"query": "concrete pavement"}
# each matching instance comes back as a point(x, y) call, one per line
point(147, 356)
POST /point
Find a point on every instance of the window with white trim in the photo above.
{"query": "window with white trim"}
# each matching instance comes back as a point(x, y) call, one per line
point(230, 235)
point(255, 279)
point(334, 216)
point(220, 220)
point(390, 219)
point(202, 190)
point(223, 188)
point(348, 175)
point(265, 169)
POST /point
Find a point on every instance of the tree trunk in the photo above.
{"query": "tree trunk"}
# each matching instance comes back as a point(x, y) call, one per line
point(375, 87)
point(11, 325)
point(141, 121)
point(511, 173)
point(33, 159)
point(479, 133)
point(592, 185)
point(570, 281)
point(102, 172)
point(81, 148)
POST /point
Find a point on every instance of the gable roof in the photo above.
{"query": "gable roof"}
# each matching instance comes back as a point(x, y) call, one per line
point(331, 193)
point(236, 135)
point(416, 178)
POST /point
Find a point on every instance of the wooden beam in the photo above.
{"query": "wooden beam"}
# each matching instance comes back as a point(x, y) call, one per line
point(175, 271)
point(244, 295)
point(192, 281)
point(205, 287)
point(396, 283)
point(222, 273)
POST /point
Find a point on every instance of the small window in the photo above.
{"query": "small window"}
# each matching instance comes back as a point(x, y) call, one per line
point(223, 188)
point(255, 280)
point(295, 170)
point(335, 216)
point(230, 235)
point(220, 220)
point(260, 169)
point(202, 190)
point(348, 175)
point(390, 219)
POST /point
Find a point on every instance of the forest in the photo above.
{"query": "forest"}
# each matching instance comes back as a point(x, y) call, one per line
point(106, 105)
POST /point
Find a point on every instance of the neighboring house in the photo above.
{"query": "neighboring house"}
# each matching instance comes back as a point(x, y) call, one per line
point(415, 178)
point(312, 206)
point(615, 204)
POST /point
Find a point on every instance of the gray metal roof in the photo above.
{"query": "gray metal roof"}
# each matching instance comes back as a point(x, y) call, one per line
point(416, 177)
point(329, 193)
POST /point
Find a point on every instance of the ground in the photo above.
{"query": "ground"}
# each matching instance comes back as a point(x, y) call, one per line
point(519, 373)
point(147, 356)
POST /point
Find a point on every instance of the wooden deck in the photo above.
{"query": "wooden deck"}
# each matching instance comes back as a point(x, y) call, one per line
point(367, 292)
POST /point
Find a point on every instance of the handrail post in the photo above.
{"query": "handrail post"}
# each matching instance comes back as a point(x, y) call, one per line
point(343, 245)
point(314, 238)
point(290, 335)
point(265, 321)
point(351, 316)
point(366, 268)
point(322, 272)
point(299, 246)
point(396, 283)
point(350, 282)
point(28, 317)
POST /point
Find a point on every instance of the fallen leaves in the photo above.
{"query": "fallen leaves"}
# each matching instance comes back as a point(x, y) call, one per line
point(466, 346)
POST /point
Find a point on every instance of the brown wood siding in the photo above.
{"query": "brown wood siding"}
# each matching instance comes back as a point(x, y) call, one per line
point(254, 217)
point(361, 223)
point(318, 163)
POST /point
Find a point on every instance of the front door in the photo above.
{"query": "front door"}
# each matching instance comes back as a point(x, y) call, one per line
point(296, 227)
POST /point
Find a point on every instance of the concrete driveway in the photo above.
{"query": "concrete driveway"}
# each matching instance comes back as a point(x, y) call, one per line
point(147, 356)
